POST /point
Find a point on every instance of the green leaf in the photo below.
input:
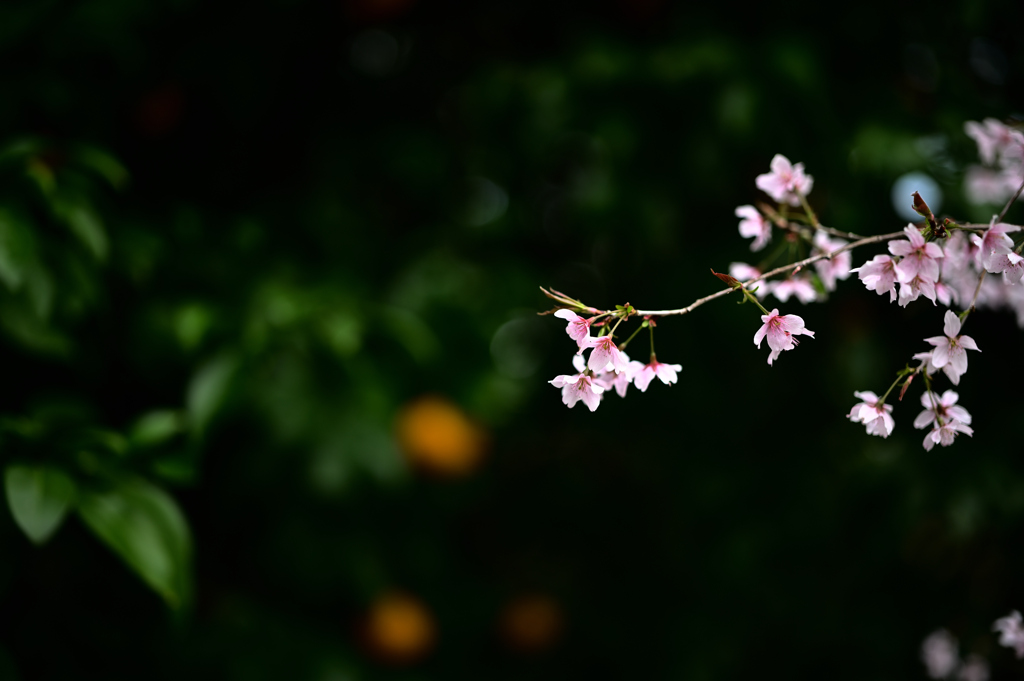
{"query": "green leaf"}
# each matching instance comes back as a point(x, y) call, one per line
point(145, 527)
point(39, 497)
point(17, 250)
point(411, 331)
point(85, 224)
point(208, 389)
point(22, 324)
point(155, 427)
point(103, 164)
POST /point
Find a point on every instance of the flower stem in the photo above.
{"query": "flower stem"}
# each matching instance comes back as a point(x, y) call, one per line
point(899, 377)
point(617, 322)
point(807, 208)
point(622, 345)
point(750, 296)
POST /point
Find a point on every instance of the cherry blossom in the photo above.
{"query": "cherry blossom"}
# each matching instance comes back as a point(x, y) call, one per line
point(1014, 269)
point(959, 252)
point(576, 387)
point(605, 353)
point(801, 287)
point(946, 294)
point(945, 434)
point(974, 668)
point(786, 181)
point(986, 185)
point(950, 353)
point(874, 415)
point(753, 225)
point(578, 328)
point(939, 654)
point(995, 139)
point(745, 272)
point(1009, 264)
point(666, 372)
point(918, 257)
point(1011, 635)
point(610, 378)
point(993, 244)
point(941, 409)
point(780, 330)
point(836, 267)
point(879, 275)
point(914, 288)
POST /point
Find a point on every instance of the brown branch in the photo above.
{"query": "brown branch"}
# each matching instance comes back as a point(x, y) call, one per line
point(778, 270)
point(1010, 202)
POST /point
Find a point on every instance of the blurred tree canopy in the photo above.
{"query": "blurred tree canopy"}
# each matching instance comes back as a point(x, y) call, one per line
point(276, 394)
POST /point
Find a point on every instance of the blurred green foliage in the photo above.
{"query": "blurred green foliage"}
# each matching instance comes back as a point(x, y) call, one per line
point(276, 397)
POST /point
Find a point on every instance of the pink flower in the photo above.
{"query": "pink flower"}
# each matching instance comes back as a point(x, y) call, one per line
point(578, 328)
point(801, 287)
point(950, 353)
point(986, 185)
point(879, 274)
point(871, 413)
point(992, 244)
point(578, 387)
point(605, 353)
point(918, 257)
point(959, 251)
point(666, 372)
point(780, 330)
point(974, 668)
point(745, 272)
point(753, 225)
point(994, 139)
point(916, 287)
point(947, 295)
point(1011, 634)
point(941, 409)
point(786, 181)
point(939, 654)
point(610, 378)
point(945, 434)
point(837, 267)
point(1013, 268)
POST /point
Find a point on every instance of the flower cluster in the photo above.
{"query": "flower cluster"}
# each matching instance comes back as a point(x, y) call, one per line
point(941, 658)
point(1001, 149)
point(1011, 634)
point(607, 367)
point(789, 185)
point(946, 266)
point(941, 412)
point(939, 260)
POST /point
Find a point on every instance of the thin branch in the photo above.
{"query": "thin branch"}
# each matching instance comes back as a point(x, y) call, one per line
point(839, 233)
point(778, 270)
point(977, 290)
point(784, 223)
point(1010, 202)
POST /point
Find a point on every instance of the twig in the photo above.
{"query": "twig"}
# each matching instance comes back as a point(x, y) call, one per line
point(977, 290)
point(784, 223)
point(778, 270)
point(1010, 202)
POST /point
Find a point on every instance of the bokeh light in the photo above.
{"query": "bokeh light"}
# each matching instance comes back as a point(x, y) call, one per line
point(439, 437)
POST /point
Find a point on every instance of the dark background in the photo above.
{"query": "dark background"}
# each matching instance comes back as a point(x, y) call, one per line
point(329, 210)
